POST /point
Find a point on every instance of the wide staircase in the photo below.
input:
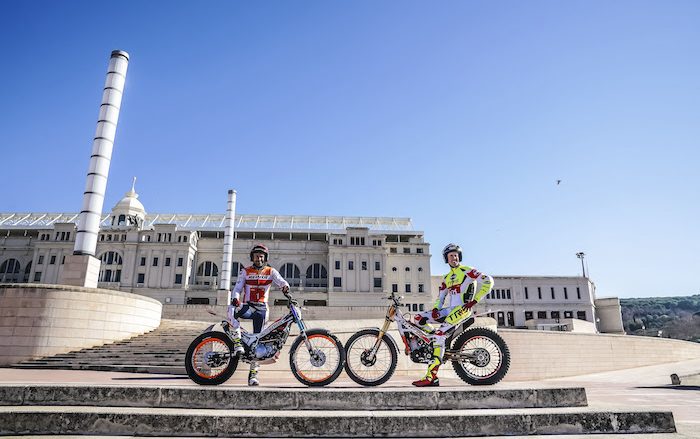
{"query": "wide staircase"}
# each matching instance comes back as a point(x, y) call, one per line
point(159, 351)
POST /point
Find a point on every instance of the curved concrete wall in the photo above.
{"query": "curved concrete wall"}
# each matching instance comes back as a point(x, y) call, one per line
point(543, 354)
point(41, 320)
point(535, 354)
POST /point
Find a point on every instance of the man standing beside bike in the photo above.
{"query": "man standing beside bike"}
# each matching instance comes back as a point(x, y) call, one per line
point(461, 289)
point(254, 283)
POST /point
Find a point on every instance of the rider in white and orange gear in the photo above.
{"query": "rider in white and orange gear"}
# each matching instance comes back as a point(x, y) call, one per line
point(461, 289)
point(254, 282)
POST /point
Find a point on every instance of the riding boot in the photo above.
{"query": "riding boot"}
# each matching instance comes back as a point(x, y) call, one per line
point(253, 374)
point(236, 339)
point(431, 379)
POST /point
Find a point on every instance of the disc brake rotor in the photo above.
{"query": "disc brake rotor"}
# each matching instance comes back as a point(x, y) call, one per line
point(481, 357)
point(214, 359)
point(318, 358)
point(367, 359)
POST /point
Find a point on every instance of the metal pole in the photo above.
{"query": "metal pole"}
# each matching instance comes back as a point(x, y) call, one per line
point(102, 144)
point(225, 280)
point(581, 255)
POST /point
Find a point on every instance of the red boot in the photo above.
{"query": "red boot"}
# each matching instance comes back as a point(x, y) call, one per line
point(431, 379)
point(427, 382)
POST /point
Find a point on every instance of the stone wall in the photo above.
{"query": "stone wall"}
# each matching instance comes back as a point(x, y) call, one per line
point(39, 320)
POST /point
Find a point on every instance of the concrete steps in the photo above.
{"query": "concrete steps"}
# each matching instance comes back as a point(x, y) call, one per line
point(196, 411)
point(159, 351)
point(330, 399)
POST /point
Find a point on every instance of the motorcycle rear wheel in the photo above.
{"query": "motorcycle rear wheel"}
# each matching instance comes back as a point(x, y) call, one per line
point(209, 360)
point(491, 357)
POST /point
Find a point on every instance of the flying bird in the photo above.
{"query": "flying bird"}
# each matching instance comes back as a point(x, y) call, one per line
point(558, 181)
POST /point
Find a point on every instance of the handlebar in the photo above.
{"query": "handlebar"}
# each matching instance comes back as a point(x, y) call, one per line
point(290, 300)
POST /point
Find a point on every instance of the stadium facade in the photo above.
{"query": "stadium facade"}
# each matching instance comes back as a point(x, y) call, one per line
point(329, 261)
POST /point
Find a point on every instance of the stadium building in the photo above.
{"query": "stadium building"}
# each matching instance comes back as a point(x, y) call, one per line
point(348, 262)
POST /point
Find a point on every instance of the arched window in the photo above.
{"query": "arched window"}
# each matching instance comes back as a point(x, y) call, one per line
point(122, 220)
point(207, 269)
point(9, 271)
point(111, 267)
point(27, 271)
point(207, 273)
point(408, 268)
point(291, 273)
point(316, 276)
point(236, 268)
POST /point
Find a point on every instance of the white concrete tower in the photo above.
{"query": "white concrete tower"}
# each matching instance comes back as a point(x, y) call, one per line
point(83, 269)
point(96, 184)
point(224, 293)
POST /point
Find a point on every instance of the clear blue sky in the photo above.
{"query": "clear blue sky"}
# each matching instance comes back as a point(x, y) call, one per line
point(459, 114)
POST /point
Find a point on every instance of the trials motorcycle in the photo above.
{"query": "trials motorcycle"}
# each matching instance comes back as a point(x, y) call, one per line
point(479, 356)
point(316, 356)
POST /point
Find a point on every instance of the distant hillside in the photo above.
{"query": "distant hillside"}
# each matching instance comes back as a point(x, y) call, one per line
point(670, 317)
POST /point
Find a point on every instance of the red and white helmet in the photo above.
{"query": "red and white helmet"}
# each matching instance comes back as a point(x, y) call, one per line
point(259, 248)
point(449, 248)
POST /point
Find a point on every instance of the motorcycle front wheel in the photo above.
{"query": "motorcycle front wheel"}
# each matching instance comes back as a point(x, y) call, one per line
point(321, 365)
point(487, 357)
point(209, 360)
point(369, 370)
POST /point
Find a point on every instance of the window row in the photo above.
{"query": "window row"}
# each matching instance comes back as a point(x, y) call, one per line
point(167, 261)
point(529, 315)
point(112, 237)
point(553, 293)
point(406, 269)
point(406, 250)
point(60, 236)
point(52, 260)
point(499, 294)
point(407, 288)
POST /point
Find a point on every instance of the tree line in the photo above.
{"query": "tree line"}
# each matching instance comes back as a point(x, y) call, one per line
point(669, 317)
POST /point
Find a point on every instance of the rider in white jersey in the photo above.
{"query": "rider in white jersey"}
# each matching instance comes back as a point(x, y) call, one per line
point(461, 289)
point(254, 283)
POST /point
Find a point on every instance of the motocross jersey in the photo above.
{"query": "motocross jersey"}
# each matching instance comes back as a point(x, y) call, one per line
point(456, 287)
point(255, 284)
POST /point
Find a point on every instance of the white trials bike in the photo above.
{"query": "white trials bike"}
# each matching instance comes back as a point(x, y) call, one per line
point(316, 356)
point(479, 356)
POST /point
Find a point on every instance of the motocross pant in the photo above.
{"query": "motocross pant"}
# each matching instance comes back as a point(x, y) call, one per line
point(448, 318)
point(257, 312)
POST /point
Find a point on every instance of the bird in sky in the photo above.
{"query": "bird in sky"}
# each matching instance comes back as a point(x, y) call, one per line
point(558, 181)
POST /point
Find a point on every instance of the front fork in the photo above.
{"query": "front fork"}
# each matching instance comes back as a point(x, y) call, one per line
point(388, 319)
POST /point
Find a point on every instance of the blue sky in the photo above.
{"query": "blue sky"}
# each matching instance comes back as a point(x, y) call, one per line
point(459, 114)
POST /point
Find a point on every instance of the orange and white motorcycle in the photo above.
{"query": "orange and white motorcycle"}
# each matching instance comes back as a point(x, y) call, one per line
point(316, 356)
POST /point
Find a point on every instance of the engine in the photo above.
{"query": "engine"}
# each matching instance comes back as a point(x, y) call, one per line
point(421, 352)
point(271, 344)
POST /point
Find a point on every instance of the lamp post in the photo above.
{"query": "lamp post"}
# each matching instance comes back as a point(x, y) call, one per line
point(581, 255)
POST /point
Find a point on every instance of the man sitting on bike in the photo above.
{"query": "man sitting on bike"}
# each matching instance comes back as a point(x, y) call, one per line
point(458, 288)
point(254, 282)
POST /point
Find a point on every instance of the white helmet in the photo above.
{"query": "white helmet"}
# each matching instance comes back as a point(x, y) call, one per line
point(449, 248)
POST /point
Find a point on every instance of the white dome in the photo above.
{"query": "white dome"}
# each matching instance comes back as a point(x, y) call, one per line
point(130, 205)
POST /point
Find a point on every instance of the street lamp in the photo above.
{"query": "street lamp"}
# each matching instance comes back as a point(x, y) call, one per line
point(580, 255)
